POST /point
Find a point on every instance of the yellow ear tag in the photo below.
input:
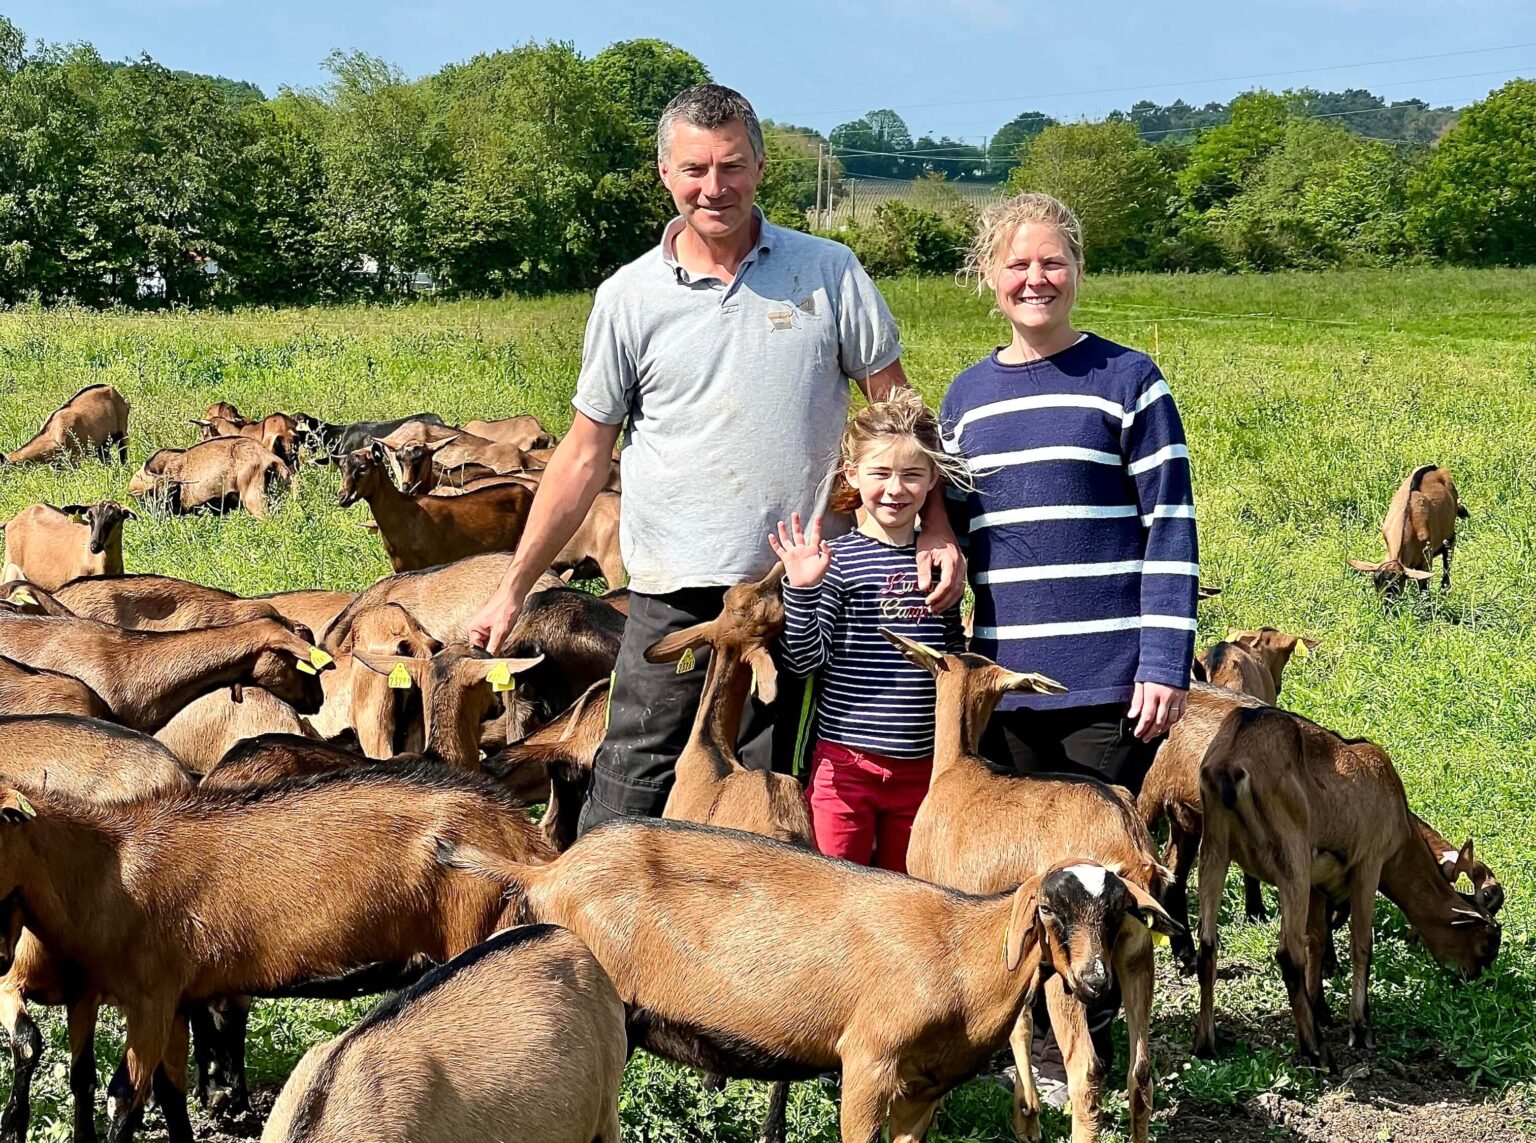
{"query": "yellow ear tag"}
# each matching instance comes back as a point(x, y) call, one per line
point(23, 805)
point(500, 679)
point(400, 678)
point(306, 668)
point(319, 658)
point(1159, 938)
point(685, 662)
point(23, 596)
point(1302, 650)
point(1232, 635)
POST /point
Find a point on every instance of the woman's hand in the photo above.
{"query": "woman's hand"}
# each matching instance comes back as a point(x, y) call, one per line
point(1156, 708)
point(805, 555)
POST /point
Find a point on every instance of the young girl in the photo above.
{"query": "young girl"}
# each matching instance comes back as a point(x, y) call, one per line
point(1081, 519)
point(874, 710)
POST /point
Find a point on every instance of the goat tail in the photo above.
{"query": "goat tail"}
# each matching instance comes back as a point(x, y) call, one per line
point(1461, 512)
point(483, 863)
point(1229, 777)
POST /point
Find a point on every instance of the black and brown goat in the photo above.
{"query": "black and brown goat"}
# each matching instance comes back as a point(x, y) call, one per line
point(94, 420)
point(50, 546)
point(1420, 525)
point(1252, 661)
point(356, 849)
point(553, 765)
point(982, 832)
point(433, 1062)
point(1325, 821)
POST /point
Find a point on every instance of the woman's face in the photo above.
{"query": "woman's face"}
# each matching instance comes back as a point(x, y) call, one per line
point(1036, 279)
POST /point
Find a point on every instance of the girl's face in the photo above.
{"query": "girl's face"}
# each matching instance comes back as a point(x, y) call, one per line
point(1035, 281)
point(893, 478)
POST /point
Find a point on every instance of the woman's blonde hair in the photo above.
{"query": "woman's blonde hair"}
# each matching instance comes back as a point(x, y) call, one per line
point(998, 226)
point(901, 416)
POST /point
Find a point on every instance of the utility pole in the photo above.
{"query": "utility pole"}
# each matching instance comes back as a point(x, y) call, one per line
point(821, 150)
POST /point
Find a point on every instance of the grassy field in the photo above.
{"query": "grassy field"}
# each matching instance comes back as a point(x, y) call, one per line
point(1306, 398)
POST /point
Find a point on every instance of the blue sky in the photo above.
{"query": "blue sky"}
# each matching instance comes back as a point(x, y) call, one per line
point(957, 67)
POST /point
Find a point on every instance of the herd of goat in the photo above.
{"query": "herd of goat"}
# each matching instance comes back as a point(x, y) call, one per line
point(208, 799)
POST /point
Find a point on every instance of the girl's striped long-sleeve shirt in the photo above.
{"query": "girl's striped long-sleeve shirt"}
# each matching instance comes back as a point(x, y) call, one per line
point(1081, 526)
point(867, 695)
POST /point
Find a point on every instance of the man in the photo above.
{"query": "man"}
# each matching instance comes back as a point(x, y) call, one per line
point(727, 351)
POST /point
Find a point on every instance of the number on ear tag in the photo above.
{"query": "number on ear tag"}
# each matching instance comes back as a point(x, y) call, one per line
point(306, 668)
point(318, 657)
point(686, 662)
point(1302, 650)
point(500, 678)
point(400, 678)
point(23, 805)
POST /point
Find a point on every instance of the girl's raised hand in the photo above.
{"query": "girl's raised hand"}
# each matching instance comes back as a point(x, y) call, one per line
point(806, 557)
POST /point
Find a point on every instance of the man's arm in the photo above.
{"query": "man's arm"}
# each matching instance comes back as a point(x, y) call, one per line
point(879, 386)
point(576, 473)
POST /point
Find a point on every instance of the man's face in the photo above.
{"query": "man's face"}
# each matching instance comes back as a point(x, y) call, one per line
point(713, 177)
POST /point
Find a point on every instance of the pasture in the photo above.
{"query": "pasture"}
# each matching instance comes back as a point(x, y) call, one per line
point(1306, 399)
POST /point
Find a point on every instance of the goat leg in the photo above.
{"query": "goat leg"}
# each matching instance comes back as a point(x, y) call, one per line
point(1134, 969)
point(1026, 1097)
point(82, 1065)
point(775, 1124)
point(1295, 893)
point(1362, 894)
point(1183, 847)
point(911, 1116)
point(867, 1093)
point(1318, 940)
point(170, 1084)
point(1069, 1020)
point(26, 1050)
point(149, 1033)
point(1215, 859)
point(1253, 900)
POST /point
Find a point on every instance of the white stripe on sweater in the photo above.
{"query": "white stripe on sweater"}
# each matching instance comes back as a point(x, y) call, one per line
point(996, 460)
point(1085, 571)
point(1169, 512)
point(1040, 401)
point(1161, 456)
point(1052, 512)
point(1083, 627)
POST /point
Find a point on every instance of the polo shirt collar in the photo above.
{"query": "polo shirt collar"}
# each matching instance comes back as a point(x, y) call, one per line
point(767, 238)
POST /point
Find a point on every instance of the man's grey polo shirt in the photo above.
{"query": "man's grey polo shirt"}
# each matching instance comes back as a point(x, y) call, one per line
point(736, 396)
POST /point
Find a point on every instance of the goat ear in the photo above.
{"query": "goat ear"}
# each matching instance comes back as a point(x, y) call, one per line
point(670, 648)
point(774, 580)
point(915, 653)
point(1021, 923)
point(1310, 644)
point(15, 809)
point(437, 446)
point(391, 666)
point(74, 509)
point(1199, 671)
point(765, 674)
point(1030, 683)
point(497, 672)
point(1466, 860)
point(1362, 566)
point(567, 575)
point(1202, 591)
point(1150, 910)
point(1416, 574)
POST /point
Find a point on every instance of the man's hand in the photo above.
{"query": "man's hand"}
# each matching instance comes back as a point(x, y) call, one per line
point(805, 555)
point(1156, 708)
point(937, 551)
point(491, 624)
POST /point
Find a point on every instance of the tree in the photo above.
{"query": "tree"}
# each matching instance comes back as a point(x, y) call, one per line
point(1475, 199)
point(1107, 175)
point(1004, 146)
point(1223, 156)
point(788, 189)
point(873, 145)
point(644, 75)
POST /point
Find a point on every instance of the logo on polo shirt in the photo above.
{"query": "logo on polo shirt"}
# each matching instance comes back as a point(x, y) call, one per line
point(781, 319)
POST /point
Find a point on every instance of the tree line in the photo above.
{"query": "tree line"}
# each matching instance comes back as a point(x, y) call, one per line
point(532, 169)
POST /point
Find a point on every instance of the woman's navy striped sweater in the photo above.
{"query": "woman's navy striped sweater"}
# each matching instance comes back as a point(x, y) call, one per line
point(1081, 526)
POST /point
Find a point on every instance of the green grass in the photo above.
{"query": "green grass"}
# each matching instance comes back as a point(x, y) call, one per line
point(1306, 398)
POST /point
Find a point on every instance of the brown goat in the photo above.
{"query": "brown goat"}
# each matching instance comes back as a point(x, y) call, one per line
point(82, 758)
point(94, 419)
point(554, 764)
point(422, 531)
point(386, 714)
point(424, 453)
point(23, 597)
point(432, 1064)
point(1420, 525)
point(525, 432)
point(312, 608)
point(51, 546)
point(711, 786)
point(146, 677)
point(205, 729)
point(1252, 661)
point(28, 690)
point(217, 475)
point(982, 832)
point(751, 958)
point(158, 603)
point(354, 849)
point(276, 431)
point(270, 757)
point(1325, 821)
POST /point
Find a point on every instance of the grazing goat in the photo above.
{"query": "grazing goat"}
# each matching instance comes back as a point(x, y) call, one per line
point(1420, 525)
point(28, 690)
point(982, 832)
point(94, 419)
point(520, 1038)
point(327, 442)
point(216, 475)
point(157, 603)
point(1252, 661)
point(226, 411)
point(51, 546)
point(750, 958)
point(205, 729)
point(1325, 821)
point(386, 711)
point(276, 431)
point(446, 450)
point(711, 786)
point(362, 841)
point(524, 431)
point(422, 531)
point(146, 677)
point(553, 765)
point(82, 758)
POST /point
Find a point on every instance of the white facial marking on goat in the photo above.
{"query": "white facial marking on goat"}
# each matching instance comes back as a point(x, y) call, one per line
point(1091, 877)
point(1450, 855)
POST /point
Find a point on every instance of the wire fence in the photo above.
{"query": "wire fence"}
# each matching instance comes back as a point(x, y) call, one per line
point(855, 199)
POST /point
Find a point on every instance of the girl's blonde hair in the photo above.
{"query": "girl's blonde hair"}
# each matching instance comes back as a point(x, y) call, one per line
point(998, 226)
point(901, 416)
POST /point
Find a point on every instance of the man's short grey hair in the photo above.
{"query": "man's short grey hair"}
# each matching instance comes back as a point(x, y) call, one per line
point(707, 106)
